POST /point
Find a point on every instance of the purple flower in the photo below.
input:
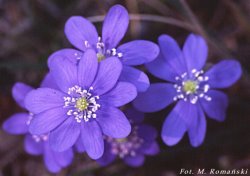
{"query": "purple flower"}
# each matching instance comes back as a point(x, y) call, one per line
point(140, 142)
point(193, 89)
point(18, 124)
point(84, 106)
point(83, 35)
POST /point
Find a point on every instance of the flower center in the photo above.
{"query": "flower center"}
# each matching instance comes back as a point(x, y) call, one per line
point(100, 57)
point(192, 87)
point(81, 103)
point(125, 146)
point(101, 51)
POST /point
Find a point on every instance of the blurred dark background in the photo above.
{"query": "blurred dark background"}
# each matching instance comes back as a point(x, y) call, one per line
point(30, 30)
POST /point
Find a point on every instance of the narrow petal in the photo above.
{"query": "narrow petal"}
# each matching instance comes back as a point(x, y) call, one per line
point(32, 147)
point(43, 99)
point(71, 55)
point(113, 122)
point(136, 77)
point(65, 135)
point(224, 74)
point(16, 124)
point(87, 68)
point(172, 54)
point(115, 26)
point(107, 157)
point(138, 52)
point(150, 148)
point(134, 161)
point(19, 91)
point(216, 108)
point(174, 126)
point(64, 73)
point(161, 69)
point(50, 162)
point(190, 113)
point(65, 158)
point(92, 139)
point(79, 30)
point(157, 97)
point(147, 132)
point(134, 116)
point(47, 121)
point(49, 82)
point(108, 73)
point(195, 52)
point(122, 94)
point(198, 130)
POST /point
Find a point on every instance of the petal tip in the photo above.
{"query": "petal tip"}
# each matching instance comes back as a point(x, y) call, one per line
point(170, 141)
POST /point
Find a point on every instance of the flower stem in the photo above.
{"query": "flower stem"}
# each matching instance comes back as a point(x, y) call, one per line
point(153, 18)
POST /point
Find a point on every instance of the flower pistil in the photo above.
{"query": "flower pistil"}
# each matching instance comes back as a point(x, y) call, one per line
point(81, 103)
point(192, 87)
point(101, 51)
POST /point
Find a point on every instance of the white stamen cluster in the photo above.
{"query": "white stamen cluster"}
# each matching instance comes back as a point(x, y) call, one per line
point(81, 103)
point(192, 87)
point(125, 146)
point(40, 138)
point(101, 49)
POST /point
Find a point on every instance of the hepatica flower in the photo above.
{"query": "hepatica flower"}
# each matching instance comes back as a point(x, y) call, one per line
point(140, 142)
point(193, 90)
point(83, 35)
point(18, 124)
point(84, 106)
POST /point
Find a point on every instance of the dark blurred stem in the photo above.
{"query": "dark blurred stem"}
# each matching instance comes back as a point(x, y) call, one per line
point(199, 29)
point(153, 18)
point(159, 6)
point(10, 156)
point(239, 15)
point(135, 26)
point(88, 167)
point(193, 25)
point(193, 18)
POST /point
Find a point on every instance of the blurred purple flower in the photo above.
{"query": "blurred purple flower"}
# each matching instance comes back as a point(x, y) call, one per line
point(140, 142)
point(83, 35)
point(190, 86)
point(18, 124)
point(84, 106)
